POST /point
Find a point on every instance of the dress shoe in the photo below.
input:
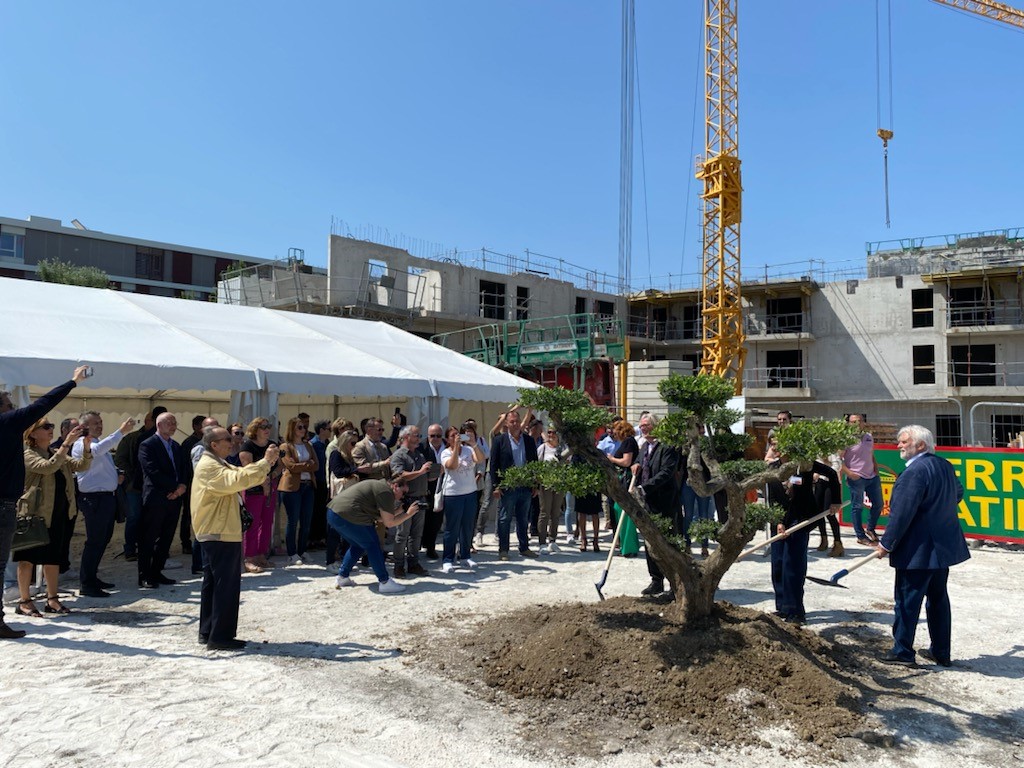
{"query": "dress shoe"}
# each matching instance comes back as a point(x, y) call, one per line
point(892, 658)
point(837, 549)
point(104, 584)
point(529, 554)
point(399, 572)
point(197, 571)
point(130, 557)
point(161, 579)
point(225, 645)
point(927, 655)
point(654, 588)
point(418, 570)
point(93, 592)
point(823, 545)
point(203, 639)
point(432, 554)
point(186, 547)
point(6, 633)
point(149, 584)
point(503, 556)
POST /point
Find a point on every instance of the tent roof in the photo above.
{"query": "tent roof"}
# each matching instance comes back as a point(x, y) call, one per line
point(139, 341)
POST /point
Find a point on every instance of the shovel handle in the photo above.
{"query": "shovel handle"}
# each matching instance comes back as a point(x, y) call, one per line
point(618, 528)
point(776, 537)
point(856, 564)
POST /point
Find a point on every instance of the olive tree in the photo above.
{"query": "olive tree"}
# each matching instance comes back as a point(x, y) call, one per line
point(696, 427)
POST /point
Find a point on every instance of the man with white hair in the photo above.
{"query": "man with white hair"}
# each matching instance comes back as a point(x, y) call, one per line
point(922, 540)
point(166, 472)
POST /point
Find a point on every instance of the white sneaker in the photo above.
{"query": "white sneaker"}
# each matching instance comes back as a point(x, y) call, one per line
point(447, 568)
point(333, 567)
point(470, 563)
point(343, 581)
point(552, 548)
point(479, 540)
point(544, 549)
point(295, 560)
point(390, 587)
point(570, 541)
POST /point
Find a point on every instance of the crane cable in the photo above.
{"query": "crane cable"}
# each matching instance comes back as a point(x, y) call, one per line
point(883, 133)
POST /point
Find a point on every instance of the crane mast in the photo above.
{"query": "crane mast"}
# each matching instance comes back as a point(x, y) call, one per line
point(722, 347)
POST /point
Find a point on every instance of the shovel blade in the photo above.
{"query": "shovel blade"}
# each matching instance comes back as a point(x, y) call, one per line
point(827, 582)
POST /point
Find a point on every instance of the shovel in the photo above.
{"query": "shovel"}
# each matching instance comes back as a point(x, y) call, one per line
point(615, 540)
point(784, 534)
point(834, 581)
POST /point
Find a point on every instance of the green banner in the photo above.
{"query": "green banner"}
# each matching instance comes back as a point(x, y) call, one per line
point(993, 481)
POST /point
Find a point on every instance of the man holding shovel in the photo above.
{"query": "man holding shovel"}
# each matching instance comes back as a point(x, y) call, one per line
point(789, 554)
point(922, 540)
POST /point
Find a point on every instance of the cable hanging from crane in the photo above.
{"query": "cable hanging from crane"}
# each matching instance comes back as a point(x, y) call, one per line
point(884, 133)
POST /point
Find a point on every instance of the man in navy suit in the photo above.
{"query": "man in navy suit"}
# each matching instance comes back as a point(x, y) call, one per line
point(923, 539)
point(166, 471)
point(508, 449)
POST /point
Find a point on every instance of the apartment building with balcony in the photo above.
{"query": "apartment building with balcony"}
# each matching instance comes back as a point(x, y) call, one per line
point(132, 264)
point(931, 332)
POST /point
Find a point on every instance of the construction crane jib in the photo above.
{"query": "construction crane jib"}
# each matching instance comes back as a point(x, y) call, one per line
point(723, 338)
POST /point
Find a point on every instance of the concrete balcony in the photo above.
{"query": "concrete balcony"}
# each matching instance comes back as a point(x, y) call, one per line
point(778, 383)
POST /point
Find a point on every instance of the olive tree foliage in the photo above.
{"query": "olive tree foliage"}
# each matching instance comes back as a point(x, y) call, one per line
point(698, 429)
point(66, 273)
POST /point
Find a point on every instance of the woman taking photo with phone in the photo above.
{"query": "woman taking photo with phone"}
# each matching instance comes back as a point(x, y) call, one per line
point(459, 458)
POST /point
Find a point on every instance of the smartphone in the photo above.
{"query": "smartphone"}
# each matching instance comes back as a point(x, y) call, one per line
point(464, 438)
point(88, 371)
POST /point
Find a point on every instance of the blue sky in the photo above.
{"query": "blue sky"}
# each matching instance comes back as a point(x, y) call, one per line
point(244, 127)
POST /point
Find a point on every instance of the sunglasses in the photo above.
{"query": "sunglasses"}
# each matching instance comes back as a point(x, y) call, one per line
point(300, 427)
point(263, 426)
point(47, 425)
point(435, 434)
point(238, 434)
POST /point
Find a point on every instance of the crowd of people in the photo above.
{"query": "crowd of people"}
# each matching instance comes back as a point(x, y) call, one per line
point(367, 499)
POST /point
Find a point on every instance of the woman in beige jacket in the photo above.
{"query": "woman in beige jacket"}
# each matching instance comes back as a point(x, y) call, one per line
point(50, 494)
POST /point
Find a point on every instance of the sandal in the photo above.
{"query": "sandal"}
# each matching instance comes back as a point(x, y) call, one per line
point(253, 568)
point(30, 611)
point(61, 609)
point(583, 545)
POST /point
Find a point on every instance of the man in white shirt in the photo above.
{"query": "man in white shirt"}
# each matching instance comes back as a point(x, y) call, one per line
point(95, 499)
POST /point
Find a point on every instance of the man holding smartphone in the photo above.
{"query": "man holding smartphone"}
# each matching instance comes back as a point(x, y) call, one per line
point(13, 423)
point(409, 465)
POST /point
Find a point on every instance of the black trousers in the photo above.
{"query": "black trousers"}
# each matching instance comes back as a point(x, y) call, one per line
point(157, 526)
point(222, 588)
point(652, 567)
point(99, 511)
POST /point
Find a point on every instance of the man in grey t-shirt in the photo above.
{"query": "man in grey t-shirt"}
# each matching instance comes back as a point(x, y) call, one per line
point(409, 465)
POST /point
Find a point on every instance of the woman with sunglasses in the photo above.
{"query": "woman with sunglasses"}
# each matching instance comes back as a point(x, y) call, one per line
point(50, 494)
point(459, 459)
point(237, 438)
point(260, 500)
point(297, 488)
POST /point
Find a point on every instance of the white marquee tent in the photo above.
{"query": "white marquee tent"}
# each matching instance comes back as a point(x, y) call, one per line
point(141, 342)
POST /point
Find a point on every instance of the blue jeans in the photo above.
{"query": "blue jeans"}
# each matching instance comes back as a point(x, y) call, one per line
point(570, 515)
point(131, 523)
point(99, 511)
point(516, 504)
point(694, 508)
point(873, 488)
point(361, 538)
point(459, 512)
point(298, 505)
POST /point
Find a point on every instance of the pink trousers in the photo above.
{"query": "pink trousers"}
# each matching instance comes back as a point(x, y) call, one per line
point(261, 507)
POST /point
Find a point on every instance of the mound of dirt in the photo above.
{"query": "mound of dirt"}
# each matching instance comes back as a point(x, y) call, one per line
point(623, 669)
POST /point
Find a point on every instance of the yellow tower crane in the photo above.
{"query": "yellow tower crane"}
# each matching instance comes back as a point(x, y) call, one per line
point(723, 337)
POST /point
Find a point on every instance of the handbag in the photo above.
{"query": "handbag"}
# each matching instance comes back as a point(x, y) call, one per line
point(338, 484)
point(439, 495)
point(30, 531)
point(244, 514)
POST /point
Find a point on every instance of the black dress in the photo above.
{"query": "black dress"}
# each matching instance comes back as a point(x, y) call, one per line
point(51, 553)
point(587, 505)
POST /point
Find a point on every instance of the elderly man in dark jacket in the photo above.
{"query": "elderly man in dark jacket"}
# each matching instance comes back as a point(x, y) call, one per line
point(922, 540)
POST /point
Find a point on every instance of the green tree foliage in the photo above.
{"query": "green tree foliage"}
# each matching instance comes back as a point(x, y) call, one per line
point(66, 273)
point(698, 428)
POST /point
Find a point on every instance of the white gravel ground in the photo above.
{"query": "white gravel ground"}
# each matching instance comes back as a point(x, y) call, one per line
point(123, 682)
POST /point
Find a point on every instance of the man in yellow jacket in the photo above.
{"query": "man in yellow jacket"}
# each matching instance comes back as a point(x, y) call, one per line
point(217, 523)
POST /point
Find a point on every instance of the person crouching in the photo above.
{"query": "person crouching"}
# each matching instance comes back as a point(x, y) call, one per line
point(215, 499)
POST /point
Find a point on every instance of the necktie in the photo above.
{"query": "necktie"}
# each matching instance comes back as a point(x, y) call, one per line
point(645, 465)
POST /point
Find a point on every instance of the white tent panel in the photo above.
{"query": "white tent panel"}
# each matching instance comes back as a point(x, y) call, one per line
point(142, 342)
